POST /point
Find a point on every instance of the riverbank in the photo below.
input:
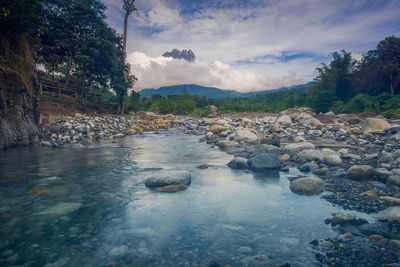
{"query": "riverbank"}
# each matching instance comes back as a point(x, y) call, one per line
point(351, 161)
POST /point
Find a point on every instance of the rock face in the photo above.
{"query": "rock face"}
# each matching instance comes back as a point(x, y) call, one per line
point(307, 186)
point(265, 161)
point(360, 172)
point(17, 111)
point(373, 125)
point(169, 177)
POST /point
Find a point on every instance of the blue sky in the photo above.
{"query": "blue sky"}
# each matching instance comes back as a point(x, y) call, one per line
point(245, 45)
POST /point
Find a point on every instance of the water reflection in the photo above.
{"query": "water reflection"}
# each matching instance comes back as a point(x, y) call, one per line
point(89, 207)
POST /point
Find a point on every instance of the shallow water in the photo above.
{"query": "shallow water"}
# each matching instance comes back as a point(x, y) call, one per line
point(89, 207)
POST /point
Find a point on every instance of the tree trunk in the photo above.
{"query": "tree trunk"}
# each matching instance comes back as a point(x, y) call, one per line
point(391, 84)
point(121, 107)
point(125, 32)
point(68, 75)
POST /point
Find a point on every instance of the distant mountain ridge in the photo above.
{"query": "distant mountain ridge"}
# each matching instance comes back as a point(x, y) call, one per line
point(210, 92)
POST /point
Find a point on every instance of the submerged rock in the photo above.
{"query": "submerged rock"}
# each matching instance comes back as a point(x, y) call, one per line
point(239, 163)
point(61, 208)
point(172, 188)
point(169, 177)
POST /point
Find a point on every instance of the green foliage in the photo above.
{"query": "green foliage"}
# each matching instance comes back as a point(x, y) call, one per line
point(82, 102)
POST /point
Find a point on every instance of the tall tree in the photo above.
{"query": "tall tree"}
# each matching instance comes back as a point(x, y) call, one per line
point(129, 7)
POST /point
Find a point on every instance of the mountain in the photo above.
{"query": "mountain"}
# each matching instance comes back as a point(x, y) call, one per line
point(301, 86)
point(187, 55)
point(210, 92)
point(192, 89)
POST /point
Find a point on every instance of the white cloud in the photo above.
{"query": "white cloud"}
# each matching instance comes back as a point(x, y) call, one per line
point(162, 71)
point(311, 28)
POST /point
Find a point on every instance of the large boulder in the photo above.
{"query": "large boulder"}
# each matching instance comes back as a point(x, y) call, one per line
point(374, 125)
point(302, 116)
point(239, 163)
point(217, 128)
point(245, 135)
point(331, 157)
point(169, 177)
point(265, 161)
point(360, 172)
point(284, 119)
point(298, 146)
point(307, 186)
point(311, 122)
point(349, 118)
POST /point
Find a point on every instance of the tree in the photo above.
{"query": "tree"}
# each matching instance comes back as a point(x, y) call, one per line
point(129, 8)
point(379, 70)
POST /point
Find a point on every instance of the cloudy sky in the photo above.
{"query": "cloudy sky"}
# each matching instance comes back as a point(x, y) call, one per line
point(248, 44)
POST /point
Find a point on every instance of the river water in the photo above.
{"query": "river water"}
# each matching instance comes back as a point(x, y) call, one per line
point(89, 207)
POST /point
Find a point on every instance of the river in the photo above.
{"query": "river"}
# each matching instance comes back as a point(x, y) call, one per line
point(89, 207)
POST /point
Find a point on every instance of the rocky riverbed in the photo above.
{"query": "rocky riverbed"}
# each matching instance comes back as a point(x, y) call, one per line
point(350, 160)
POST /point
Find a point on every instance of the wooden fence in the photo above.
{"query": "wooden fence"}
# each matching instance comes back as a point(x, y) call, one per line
point(48, 86)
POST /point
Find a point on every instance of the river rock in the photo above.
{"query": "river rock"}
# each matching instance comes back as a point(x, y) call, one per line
point(391, 213)
point(360, 172)
point(311, 122)
point(245, 135)
point(169, 177)
point(265, 161)
point(331, 157)
point(227, 143)
point(217, 128)
point(210, 121)
point(307, 185)
point(393, 180)
point(118, 251)
point(343, 217)
point(303, 116)
point(374, 125)
point(309, 166)
point(309, 155)
point(284, 119)
point(298, 146)
point(349, 118)
point(239, 163)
